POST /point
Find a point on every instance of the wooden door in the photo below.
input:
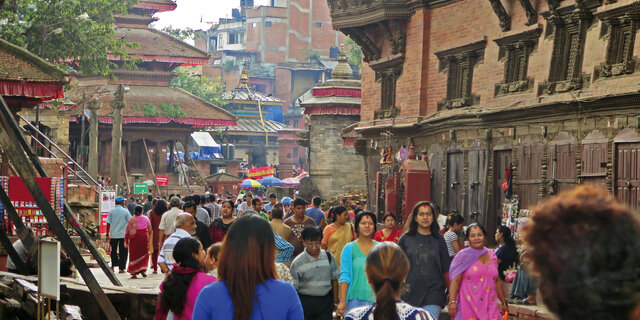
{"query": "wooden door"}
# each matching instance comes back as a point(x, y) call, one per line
point(477, 183)
point(562, 153)
point(529, 171)
point(594, 164)
point(455, 182)
point(501, 161)
point(437, 175)
point(627, 173)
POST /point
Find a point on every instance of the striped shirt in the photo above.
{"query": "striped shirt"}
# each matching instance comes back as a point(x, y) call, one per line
point(450, 237)
point(166, 254)
point(215, 210)
point(313, 276)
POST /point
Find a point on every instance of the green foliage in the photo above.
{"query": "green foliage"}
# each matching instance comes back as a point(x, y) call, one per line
point(229, 65)
point(354, 55)
point(82, 43)
point(202, 87)
point(181, 34)
point(166, 110)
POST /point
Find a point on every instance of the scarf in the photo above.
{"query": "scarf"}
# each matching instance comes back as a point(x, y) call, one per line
point(221, 225)
point(177, 268)
point(464, 259)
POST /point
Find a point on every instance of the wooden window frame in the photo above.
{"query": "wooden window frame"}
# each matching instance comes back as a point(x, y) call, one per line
point(619, 26)
point(568, 27)
point(458, 63)
point(515, 51)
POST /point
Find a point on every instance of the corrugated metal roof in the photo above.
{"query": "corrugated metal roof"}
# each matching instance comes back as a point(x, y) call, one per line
point(254, 125)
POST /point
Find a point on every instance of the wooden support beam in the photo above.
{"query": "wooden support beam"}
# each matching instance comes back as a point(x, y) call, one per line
point(20, 159)
point(21, 230)
point(151, 165)
point(15, 257)
point(532, 15)
point(503, 16)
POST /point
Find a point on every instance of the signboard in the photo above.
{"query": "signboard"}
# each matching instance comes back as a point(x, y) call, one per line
point(162, 180)
point(140, 188)
point(107, 201)
point(103, 223)
point(261, 172)
point(18, 190)
point(49, 269)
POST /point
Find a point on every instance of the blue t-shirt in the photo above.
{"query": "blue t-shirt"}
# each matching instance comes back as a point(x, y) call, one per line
point(276, 300)
point(316, 214)
point(118, 218)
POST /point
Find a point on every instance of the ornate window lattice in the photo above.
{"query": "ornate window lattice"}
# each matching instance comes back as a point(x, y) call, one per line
point(620, 27)
point(458, 63)
point(515, 51)
point(568, 27)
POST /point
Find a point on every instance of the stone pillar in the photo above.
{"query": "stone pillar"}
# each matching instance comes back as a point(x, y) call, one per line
point(93, 139)
point(116, 137)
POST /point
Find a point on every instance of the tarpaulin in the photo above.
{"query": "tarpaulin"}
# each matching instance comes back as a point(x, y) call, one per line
point(44, 91)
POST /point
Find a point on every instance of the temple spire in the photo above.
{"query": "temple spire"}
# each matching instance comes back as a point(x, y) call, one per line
point(244, 77)
point(342, 70)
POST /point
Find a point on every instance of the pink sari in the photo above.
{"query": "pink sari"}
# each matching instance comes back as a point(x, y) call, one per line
point(137, 240)
point(477, 298)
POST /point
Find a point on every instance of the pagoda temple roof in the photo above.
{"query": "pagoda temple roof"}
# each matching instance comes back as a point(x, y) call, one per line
point(199, 113)
point(157, 5)
point(158, 46)
point(24, 74)
point(247, 125)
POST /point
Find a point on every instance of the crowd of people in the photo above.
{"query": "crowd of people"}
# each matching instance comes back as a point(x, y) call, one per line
point(228, 258)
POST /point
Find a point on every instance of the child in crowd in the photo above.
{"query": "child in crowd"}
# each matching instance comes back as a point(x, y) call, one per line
point(211, 260)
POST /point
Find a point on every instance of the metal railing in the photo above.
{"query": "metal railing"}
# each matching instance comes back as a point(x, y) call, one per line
point(68, 158)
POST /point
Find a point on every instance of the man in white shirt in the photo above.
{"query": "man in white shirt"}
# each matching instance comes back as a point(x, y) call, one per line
point(246, 204)
point(168, 220)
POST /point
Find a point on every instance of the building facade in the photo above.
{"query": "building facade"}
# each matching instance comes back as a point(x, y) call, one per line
point(544, 89)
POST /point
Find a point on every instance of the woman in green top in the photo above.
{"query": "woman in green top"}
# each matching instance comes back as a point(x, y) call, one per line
point(355, 290)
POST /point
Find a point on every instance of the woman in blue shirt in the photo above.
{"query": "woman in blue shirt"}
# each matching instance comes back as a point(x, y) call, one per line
point(248, 288)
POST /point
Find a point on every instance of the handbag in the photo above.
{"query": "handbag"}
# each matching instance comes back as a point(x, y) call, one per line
point(509, 277)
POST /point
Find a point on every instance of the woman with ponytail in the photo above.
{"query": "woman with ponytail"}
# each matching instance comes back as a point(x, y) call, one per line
point(179, 290)
point(387, 268)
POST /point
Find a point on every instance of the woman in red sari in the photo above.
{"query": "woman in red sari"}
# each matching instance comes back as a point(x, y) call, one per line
point(219, 227)
point(155, 216)
point(389, 233)
point(136, 239)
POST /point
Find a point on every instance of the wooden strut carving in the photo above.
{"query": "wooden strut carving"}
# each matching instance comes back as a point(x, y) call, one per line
point(19, 152)
point(532, 15)
point(370, 50)
point(395, 35)
point(503, 16)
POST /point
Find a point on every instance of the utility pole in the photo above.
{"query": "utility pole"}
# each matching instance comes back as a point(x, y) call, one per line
point(94, 105)
point(116, 136)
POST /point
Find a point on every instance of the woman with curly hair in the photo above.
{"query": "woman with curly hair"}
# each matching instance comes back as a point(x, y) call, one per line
point(249, 287)
point(585, 248)
point(387, 267)
point(179, 290)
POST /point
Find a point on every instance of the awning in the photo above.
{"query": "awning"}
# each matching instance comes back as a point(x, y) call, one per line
point(208, 147)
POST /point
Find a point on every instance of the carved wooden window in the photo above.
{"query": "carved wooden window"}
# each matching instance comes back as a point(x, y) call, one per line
point(619, 26)
point(387, 73)
point(458, 64)
point(515, 51)
point(569, 29)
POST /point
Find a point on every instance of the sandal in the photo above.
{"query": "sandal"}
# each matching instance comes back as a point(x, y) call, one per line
point(144, 275)
point(525, 302)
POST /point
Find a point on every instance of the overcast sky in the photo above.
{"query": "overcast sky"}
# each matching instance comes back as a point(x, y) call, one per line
point(190, 13)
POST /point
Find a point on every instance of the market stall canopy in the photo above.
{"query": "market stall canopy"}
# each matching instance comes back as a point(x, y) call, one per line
point(291, 182)
point(26, 77)
point(271, 181)
point(207, 146)
point(250, 183)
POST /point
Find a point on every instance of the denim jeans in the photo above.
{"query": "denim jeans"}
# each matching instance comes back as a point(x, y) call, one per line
point(355, 303)
point(434, 310)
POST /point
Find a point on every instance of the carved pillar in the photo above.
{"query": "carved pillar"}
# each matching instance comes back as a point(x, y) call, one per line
point(116, 137)
point(93, 139)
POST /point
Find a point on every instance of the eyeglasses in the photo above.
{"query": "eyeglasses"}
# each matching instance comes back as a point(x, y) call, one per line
point(312, 244)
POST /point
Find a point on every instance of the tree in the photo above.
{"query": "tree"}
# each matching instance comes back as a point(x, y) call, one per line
point(354, 55)
point(77, 34)
point(181, 34)
point(201, 86)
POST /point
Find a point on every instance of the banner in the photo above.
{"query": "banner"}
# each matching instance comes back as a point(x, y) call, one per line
point(18, 190)
point(103, 223)
point(259, 173)
point(162, 180)
point(140, 188)
point(107, 201)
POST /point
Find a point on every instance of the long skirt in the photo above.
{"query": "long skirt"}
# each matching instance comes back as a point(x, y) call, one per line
point(139, 252)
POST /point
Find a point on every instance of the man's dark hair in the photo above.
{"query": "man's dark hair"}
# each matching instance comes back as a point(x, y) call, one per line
point(149, 197)
point(255, 200)
point(299, 202)
point(196, 199)
point(203, 199)
point(189, 204)
point(316, 201)
point(277, 212)
point(212, 198)
point(273, 196)
point(311, 233)
point(585, 248)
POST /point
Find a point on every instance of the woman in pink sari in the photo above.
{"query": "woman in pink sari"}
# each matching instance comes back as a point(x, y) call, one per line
point(475, 286)
point(137, 240)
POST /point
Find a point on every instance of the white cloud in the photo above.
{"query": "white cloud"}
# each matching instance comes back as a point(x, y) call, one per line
point(199, 14)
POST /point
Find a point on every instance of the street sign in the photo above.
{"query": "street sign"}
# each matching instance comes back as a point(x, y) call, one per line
point(162, 180)
point(140, 188)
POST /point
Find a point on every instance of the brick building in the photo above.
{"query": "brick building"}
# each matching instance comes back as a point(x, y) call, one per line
point(546, 88)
